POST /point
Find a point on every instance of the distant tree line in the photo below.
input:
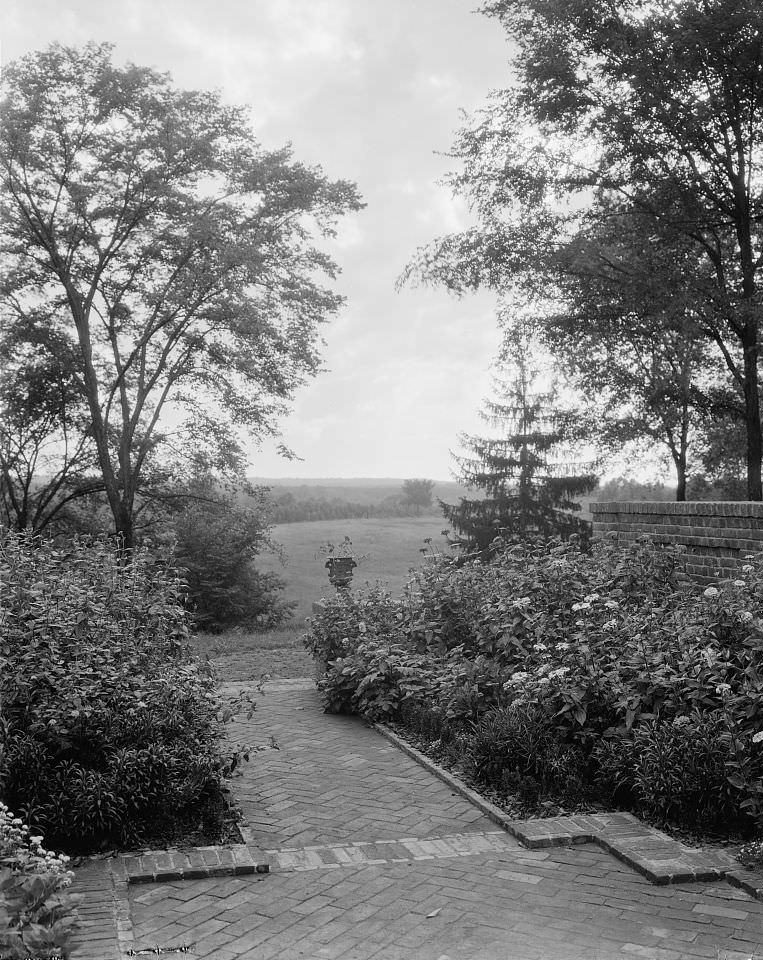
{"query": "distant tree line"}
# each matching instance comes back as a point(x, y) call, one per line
point(414, 496)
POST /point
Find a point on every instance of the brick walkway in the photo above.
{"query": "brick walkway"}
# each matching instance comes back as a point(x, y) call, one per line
point(372, 857)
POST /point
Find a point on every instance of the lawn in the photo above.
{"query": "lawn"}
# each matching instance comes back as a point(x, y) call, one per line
point(393, 547)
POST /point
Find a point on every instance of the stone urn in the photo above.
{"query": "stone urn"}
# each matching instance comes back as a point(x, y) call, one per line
point(340, 571)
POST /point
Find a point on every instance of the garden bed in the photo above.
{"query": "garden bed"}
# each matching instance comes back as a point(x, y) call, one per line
point(553, 679)
point(213, 822)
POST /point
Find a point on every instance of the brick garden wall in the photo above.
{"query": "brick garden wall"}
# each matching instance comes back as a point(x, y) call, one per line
point(717, 535)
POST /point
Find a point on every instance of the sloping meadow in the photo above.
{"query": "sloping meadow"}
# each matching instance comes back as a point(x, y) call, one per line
point(576, 675)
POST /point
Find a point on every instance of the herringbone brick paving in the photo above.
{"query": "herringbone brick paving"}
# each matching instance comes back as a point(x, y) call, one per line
point(334, 780)
point(434, 879)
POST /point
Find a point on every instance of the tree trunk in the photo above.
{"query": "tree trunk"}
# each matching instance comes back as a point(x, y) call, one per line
point(125, 530)
point(752, 414)
point(681, 480)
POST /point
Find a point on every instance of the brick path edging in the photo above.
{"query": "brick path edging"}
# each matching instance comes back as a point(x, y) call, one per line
point(194, 863)
point(650, 852)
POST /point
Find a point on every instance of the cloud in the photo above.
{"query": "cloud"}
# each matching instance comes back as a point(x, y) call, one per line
point(370, 91)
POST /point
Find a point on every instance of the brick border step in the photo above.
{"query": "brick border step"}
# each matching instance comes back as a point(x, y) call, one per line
point(194, 863)
point(645, 849)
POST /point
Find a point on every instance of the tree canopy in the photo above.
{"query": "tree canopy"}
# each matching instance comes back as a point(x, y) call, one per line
point(154, 247)
point(643, 108)
point(418, 492)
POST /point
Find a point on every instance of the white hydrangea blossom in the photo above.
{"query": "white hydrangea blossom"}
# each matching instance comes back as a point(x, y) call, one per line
point(710, 593)
point(24, 852)
point(516, 678)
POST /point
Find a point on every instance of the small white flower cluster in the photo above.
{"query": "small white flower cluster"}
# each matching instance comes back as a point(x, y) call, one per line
point(681, 721)
point(757, 737)
point(746, 617)
point(587, 602)
point(559, 672)
point(747, 568)
point(362, 628)
point(540, 647)
point(21, 851)
point(522, 602)
point(724, 689)
point(515, 679)
point(711, 593)
point(739, 583)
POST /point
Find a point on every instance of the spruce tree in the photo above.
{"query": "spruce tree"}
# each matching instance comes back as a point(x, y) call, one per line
point(528, 493)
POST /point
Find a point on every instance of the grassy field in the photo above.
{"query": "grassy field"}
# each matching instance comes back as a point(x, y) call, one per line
point(393, 547)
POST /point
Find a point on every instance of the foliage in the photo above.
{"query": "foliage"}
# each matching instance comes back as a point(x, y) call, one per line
point(106, 722)
point(418, 493)
point(608, 669)
point(516, 745)
point(155, 250)
point(751, 854)
point(46, 453)
point(626, 488)
point(620, 175)
point(217, 541)
point(528, 493)
point(37, 914)
point(341, 550)
point(350, 615)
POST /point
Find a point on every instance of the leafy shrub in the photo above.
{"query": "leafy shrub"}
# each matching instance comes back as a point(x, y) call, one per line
point(347, 619)
point(217, 542)
point(37, 914)
point(642, 684)
point(677, 771)
point(374, 680)
point(105, 719)
point(516, 744)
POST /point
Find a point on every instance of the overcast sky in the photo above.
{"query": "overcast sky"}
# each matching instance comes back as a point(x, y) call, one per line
point(370, 90)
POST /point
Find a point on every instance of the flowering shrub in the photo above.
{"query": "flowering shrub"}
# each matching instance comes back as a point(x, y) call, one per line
point(37, 914)
point(355, 616)
point(645, 684)
point(106, 722)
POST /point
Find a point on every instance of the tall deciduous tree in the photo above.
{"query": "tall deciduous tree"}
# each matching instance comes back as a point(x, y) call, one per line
point(418, 493)
point(628, 334)
point(529, 492)
point(656, 104)
point(145, 229)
